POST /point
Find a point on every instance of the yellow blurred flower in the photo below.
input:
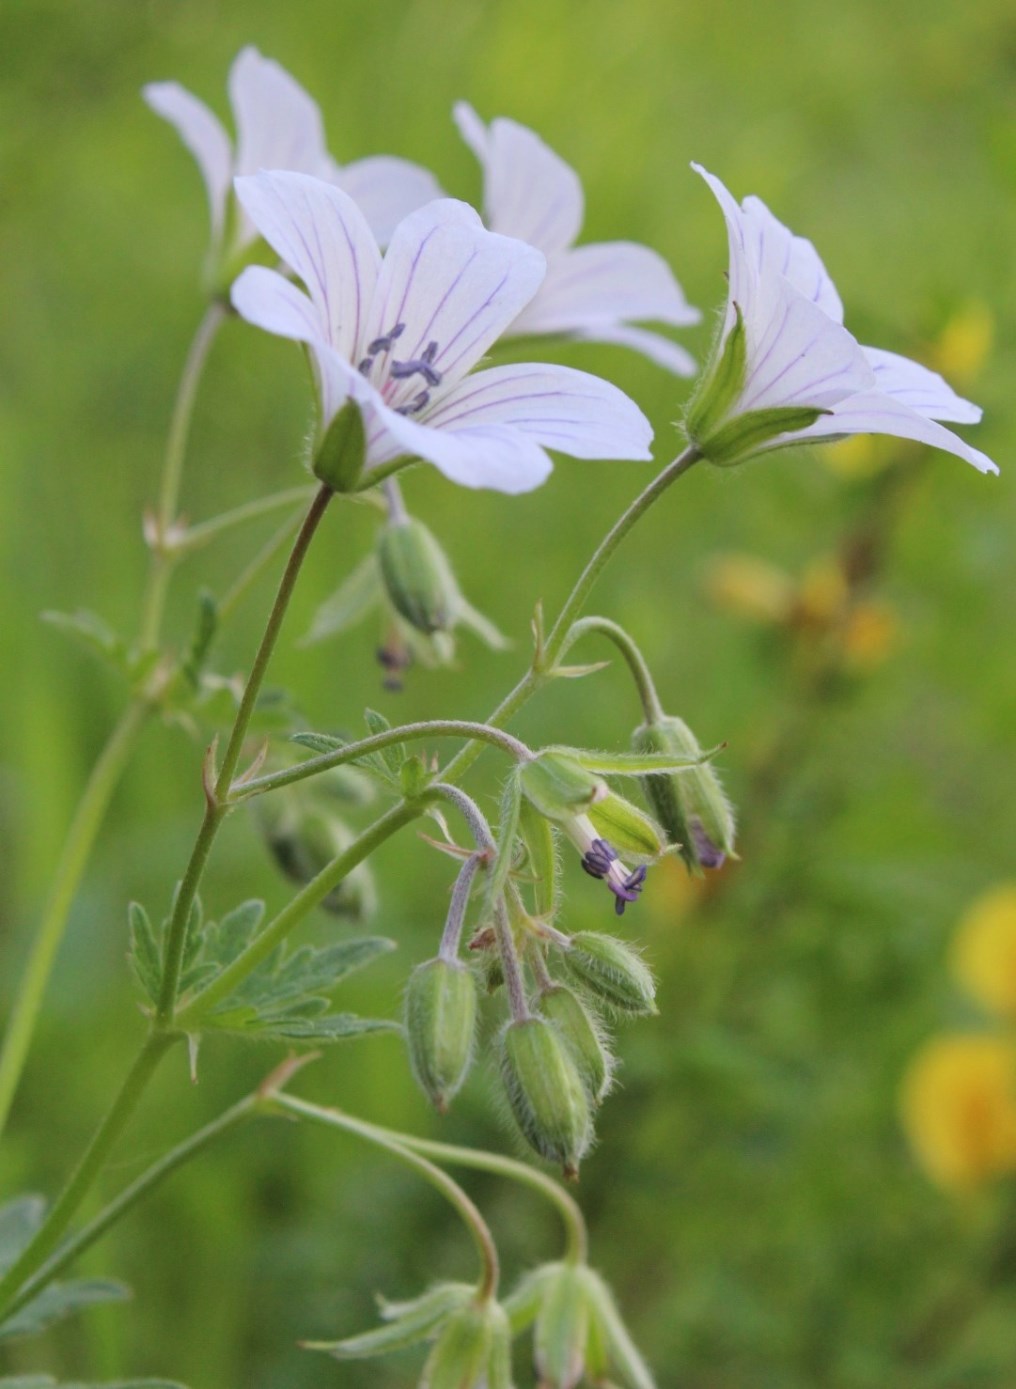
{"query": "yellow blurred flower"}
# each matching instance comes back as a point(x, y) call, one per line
point(870, 635)
point(822, 592)
point(984, 950)
point(859, 456)
point(959, 1109)
point(750, 587)
point(964, 343)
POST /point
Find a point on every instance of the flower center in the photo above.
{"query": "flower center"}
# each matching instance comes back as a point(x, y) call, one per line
point(405, 370)
point(601, 861)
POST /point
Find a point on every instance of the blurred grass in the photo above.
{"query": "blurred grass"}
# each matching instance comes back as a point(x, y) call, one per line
point(751, 1196)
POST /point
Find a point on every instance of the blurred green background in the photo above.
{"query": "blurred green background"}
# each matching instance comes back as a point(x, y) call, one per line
point(752, 1198)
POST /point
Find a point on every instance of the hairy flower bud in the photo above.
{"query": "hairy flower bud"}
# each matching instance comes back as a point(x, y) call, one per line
point(473, 1350)
point(546, 1093)
point(581, 1035)
point(691, 805)
point(417, 576)
point(612, 972)
point(440, 1027)
point(562, 1329)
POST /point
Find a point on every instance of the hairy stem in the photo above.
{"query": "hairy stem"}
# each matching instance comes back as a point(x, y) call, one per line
point(604, 627)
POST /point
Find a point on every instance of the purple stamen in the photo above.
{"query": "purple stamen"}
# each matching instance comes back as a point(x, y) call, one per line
point(385, 343)
point(629, 890)
point(415, 405)
point(598, 858)
point(399, 371)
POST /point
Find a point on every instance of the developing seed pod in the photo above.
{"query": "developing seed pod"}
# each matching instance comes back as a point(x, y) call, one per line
point(690, 805)
point(581, 1035)
point(612, 972)
point(546, 1093)
point(417, 576)
point(440, 1027)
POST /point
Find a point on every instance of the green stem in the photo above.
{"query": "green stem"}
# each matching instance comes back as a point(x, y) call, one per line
point(131, 1195)
point(77, 847)
point(164, 554)
point(197, 536)
point(249, 575)
point(640, 672)
point(400, 1147)
point(294, 912)
point(350, 752)
point(216, 805)
point(59, 1217)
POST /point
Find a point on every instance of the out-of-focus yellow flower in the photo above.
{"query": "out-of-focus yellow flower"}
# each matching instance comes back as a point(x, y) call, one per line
point(750, 587)
point(871, 634)
point(959, 1109)
point(984, 950)
point(860, 456)
point(964, 343)
point(822, 592)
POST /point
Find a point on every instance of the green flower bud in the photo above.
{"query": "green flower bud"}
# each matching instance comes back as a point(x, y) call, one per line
point(304, 838)
point(612, 972)
point(562, 1329)
point(691, 805)
point(628, 829)
point(582, 1036)
point(545, 1092)
point(417, 576)
point(440, 1027)
point(339, 458)
point(473, 1350)
point(558, 787)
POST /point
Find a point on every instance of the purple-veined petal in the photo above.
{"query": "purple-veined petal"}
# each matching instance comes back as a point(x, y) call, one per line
point(450, 283)
point(609, 282)
point(563, 409)
point(319, 231)
point(386, 190)
point(498, 456)
point(669, 355)
point(796, 354)
point(528, 190)
point(871, 412)
point(278, 124)
point(742, 276)
point(923, 390)
point(203, 134)
point(794, 257)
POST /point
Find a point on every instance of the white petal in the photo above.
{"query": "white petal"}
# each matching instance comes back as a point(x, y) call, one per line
point(570, 411)
point(319, 231)
point(203, 134)
point(923, 390)
point(875, 413)
point(278, 124)
point(742, 276)
point(655, 346)
point(794, 257)
point(528, 190)
point(450, 282)
point(796, 354)
point(490, 455)
point(610, 282)
point(386, 190)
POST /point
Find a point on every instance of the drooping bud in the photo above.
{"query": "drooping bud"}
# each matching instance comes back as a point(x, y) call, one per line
point(581, 1035)
point(417, 576)
point(304, 837)
point(546, 1092)
point(691, 805)
point(440, 1020)
point(559, 787)
point(339, 458)
point(562, 1329)
point(473, 1350)
point(612, 972)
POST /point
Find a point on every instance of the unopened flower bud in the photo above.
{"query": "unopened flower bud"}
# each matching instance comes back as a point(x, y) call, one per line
point(562, 1007)
point(440, 1027)
point(473, 1350)
point(417, 576)
point(559, 787)
point(562, 1329)
point(303, 839)
point(546, 1093)
point(626, 827)
point(691, 805)
point(612, 972)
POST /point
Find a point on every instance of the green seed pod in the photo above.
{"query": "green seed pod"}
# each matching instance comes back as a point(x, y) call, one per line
point(691, 805)
point(560, 1006)
point(440, 1027)
point(417, 576)
point(473, 1350)
point(546, 1093)
point(562, 1329)
point(612, 972)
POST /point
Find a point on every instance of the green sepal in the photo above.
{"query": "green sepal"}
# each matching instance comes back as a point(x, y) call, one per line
point(339, 458)
point(610, 1345)
point(538, 838)
point(558, 786)
point(440, 1024)
point(545, 1092)
point(632, 763)
point(562, 1329)
point(408, 1324)
point(719, 389)
point(581, 1034)
point(629, 830)
point(612, 972)
point(470, 1350)
point(523, 1303)
point(746, 434)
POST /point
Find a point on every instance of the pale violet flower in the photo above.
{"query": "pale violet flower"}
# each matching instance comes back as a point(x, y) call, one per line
point(398, 336)
point(598, 292)
point(278, 126)
point(786, 371)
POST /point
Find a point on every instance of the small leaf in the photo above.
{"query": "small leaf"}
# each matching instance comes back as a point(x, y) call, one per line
point(633, 763)
point(577, 672)
point(58, 1301)
point(394, 754)
point(231, 936)
point(414, 777)
point(145, 953)
point(335, 1027)
point(19, 1220)
point(348, 605)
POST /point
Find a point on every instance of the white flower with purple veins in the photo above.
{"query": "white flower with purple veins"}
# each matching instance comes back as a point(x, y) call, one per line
point(278, 126)
point(398, 336)
point(786, 371)
point(596, 292)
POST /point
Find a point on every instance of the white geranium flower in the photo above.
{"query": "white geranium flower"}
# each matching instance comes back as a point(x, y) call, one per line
point(595, 292)
point(278, 126)
point(398, 337)
point(786, 371)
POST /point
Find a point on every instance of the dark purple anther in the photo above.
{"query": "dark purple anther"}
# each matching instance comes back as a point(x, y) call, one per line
point(384, 344)
point(364, 367)
point(709, 856)
point(598, 858)
point(399, 371)
point(415, 405)
point(629, 890)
